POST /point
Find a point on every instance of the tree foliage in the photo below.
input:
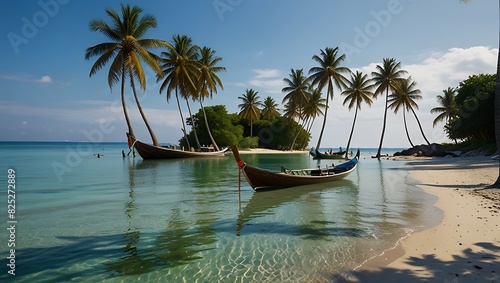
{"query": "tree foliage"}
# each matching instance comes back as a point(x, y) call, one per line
point(475, 118)
point(229, 129)
point(225, 127)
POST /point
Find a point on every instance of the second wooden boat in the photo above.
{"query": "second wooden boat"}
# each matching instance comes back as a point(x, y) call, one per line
point(316, 154)
point(264, 179)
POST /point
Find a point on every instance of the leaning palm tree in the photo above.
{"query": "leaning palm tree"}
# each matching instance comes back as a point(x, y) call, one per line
point(126, 50)
point(250, 107)
point(270, 110)
point(180, 68)
point(208, 81)
point(404, 97)
point(448, 109)
point(296, 87)
point(329, 73)
point(314, 108)
point(385, 78)
point(358, 90)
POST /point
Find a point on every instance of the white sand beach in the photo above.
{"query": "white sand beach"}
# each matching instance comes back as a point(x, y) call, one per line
point(465, 245)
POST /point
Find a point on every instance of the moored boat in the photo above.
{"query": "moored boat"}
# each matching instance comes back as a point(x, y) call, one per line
point(316, 154)
point(265, 179)
point(147, 151)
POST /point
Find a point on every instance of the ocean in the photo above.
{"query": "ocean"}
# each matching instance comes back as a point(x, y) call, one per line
point(85, 218)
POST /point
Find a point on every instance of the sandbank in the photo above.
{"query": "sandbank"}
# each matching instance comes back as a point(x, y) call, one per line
point(465, 245)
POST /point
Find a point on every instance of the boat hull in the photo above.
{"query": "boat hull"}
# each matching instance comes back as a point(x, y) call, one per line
point(147, 151)
point(260, 179)
point(334, 155)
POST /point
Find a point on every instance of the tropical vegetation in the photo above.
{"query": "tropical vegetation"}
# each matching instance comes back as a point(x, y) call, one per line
point(192, 74)
point(358, 90)
point(125, 51)
point(404, 97)
point(469, 109)
point(386, 78)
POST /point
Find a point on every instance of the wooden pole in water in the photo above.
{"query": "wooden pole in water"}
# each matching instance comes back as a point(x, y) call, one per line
point(241, 163)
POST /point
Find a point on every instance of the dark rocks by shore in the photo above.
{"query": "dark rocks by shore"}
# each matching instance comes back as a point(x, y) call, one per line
point(438, 150)
point(425, 150)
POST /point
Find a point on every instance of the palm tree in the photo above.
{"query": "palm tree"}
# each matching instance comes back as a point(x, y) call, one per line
point(180, 68)
point(313, 108)
point(296, 87)
point(385, 78)
point(358, 90)
point(270, 110)
point(404, 97)
point(328, 73)
point(448, 109)
point(208, 80)
point(126, 50)
point(250, 107)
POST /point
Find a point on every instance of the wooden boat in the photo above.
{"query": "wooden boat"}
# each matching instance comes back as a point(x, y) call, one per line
point(316, 154)
point(264, 179)
point(147, 151)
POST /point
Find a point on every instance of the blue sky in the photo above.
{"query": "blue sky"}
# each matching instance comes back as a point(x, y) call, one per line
point(46, 93)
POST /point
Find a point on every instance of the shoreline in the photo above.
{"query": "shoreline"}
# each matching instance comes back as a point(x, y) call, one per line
point(465, 245)
point(269, 151)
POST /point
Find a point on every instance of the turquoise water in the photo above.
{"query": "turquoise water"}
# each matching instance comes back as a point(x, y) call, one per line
point(111, 219)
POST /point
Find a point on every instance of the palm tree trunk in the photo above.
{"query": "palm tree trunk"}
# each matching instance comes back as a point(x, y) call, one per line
point(406, 128)
point(352, 131)
point(124, 106)
point(194, 125)
point(385, 121)
point(420, 126)
point(182, 120)
point(251, 127)
point(153, 136)
point(324, 123)
point(297, 135)
point(497, 117)
point(308, 126)
point(208, 128)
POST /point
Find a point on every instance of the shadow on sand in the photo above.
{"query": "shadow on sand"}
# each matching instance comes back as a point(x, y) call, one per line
point(469, 266)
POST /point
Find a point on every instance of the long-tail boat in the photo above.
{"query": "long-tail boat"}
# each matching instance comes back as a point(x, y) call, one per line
point(147, 151)
point(316, 154)
point(265, 179)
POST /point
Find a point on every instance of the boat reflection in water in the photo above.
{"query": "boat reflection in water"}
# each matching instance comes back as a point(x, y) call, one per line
point(316, 214)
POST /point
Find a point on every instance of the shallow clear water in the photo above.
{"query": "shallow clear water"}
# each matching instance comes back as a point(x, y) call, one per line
point(87, 219)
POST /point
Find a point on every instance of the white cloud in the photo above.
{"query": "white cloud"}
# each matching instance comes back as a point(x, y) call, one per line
point(266, 73)
point(267, 80)
point(45, 80)
point(28, 79)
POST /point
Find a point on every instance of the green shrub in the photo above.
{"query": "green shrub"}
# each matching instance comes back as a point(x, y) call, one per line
point(249, 142)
